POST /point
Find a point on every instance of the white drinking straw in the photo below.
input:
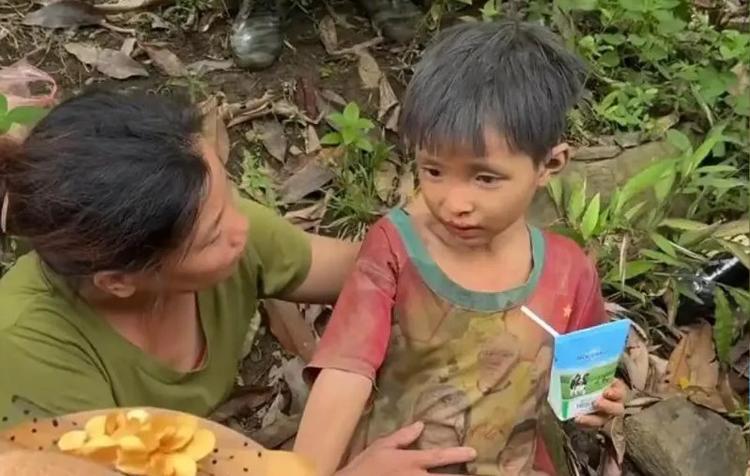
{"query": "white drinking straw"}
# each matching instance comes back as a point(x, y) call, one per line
point(540, 322)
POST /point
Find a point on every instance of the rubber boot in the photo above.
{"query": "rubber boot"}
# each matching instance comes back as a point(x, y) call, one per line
point(396, 19)
point(255, 40)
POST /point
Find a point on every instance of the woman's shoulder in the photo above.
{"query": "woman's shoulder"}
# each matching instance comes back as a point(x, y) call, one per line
point(31, 301)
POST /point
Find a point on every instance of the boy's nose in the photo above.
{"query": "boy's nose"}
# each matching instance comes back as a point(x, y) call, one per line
point(458, 202)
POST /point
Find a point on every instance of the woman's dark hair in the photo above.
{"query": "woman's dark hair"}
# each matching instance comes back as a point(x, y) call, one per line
point(514, 78)
point(106, 181)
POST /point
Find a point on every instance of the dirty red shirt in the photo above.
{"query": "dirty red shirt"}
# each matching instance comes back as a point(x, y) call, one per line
point(468, 364)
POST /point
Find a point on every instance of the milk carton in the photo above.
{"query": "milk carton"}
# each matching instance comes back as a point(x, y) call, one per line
point(583, 366)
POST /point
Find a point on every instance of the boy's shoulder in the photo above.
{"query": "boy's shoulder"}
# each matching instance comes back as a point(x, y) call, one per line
point(396, 225)
point(384, 238)
point(564, 252)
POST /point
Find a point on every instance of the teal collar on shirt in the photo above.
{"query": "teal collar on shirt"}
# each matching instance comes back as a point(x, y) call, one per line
point(442, 285)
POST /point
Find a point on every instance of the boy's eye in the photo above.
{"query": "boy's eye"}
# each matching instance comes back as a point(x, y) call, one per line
point(431, 172)
point(485, 179)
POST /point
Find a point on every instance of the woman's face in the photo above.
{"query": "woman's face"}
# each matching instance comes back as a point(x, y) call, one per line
point(217, 242)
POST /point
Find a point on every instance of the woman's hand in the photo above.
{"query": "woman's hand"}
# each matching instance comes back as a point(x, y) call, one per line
point(609, 405)
point(387, 456)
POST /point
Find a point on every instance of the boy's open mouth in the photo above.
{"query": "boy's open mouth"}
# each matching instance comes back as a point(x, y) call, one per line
point(463, 231)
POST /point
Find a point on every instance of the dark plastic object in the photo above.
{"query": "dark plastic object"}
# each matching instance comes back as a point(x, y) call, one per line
point(726, 270)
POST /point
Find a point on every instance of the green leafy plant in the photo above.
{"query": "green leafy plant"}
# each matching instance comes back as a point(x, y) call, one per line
point(635, 232)
point(23, 115)
point(355, 202)
point(256, 180)
point(724, 328)
point(351, 130)
point(650, 58)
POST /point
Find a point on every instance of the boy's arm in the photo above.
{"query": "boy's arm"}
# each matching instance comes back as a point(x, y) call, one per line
point(331, 415)
point(588, 309)
point(350, 353)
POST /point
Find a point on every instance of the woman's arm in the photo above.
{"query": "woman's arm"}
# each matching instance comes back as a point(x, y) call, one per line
point(291, 264)
point(332, 261)
point(333, 409)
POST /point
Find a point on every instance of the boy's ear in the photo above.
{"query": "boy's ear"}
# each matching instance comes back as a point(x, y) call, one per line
point(555, 162)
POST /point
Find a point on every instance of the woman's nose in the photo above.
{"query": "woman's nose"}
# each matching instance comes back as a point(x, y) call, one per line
point(238, 231)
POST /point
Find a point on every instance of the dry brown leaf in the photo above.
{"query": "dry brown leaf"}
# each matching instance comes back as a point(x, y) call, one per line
point(167, 62)
point(306, 96)
point(405, 188)
point(312, 142)
point(614, 449)
point(636, 360)
point(388, 98)
point(156, 22)
point(392, 123)
point(310, 178)
point(277, 433)
point(731, 400)
point(284, 108)
point(113, 63)
point(121, 6)
point(201, 67)
point(128, 45)
point(739, 357)
point(289, 327)
point(313, 312)
point(64, 14)
point(271, 134)
point(308, 218)
point(693, 368)
point(242, 403)
point(275, 411)
point(214, 129)
point(333, 97)
point(657, 370)
point(281, 108)
point(641, 401)
point(292, 372)
point(328, 35)
point(385, 176)
point(368, 69)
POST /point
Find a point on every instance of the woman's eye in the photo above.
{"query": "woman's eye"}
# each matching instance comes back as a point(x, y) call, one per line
point(213, 240)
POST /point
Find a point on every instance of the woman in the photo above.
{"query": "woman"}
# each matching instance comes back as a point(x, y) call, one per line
point(146, 268)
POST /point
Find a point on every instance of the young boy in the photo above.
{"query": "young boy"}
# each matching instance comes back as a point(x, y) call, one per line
point(431, 317)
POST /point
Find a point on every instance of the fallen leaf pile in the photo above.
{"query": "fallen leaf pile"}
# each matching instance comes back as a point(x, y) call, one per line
point(137, 443)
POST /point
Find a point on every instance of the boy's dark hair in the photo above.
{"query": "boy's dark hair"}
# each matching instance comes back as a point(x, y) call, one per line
point(106, 181)
point(510, 77)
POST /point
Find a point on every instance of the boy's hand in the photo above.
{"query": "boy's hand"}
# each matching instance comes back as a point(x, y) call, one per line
point(609, 405)
point(387, 456)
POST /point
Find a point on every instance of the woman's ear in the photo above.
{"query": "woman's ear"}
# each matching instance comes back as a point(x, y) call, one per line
point(555, 162)
point(115, 283)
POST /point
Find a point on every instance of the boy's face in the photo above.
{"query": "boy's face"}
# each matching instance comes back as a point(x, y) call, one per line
point(477, 198)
